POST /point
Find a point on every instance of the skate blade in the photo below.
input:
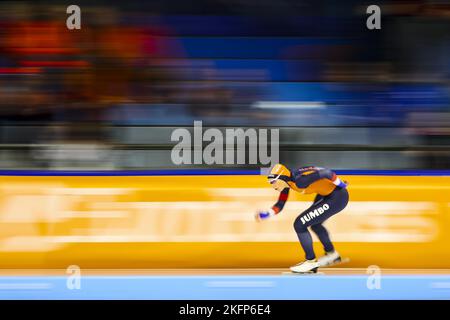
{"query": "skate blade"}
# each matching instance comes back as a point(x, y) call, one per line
point(310, 273)
point(342, 261)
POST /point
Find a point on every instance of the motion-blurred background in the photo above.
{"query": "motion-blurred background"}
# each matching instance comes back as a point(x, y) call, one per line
point(109, 95)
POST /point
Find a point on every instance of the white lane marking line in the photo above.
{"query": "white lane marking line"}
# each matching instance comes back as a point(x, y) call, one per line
point(440, 285)
point(240, 284)
point(26, 286)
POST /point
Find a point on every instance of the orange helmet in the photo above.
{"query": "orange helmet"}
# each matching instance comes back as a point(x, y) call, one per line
point(279, 171)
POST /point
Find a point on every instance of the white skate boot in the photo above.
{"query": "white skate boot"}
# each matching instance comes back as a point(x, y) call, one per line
point(329, 259)
point(307, 266)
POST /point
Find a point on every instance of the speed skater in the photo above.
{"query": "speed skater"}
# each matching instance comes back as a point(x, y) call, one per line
point(332, 197)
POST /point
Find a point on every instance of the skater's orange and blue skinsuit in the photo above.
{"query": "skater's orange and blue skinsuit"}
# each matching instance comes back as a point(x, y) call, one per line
point(332, 197)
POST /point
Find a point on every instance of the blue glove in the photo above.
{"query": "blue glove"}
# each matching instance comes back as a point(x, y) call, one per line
point(340, 184)
point(263, 215)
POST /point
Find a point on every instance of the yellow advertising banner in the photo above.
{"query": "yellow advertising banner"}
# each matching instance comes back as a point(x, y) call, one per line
point(208, 221)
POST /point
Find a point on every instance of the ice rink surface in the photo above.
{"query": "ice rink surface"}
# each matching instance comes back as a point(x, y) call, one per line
point(225, 284)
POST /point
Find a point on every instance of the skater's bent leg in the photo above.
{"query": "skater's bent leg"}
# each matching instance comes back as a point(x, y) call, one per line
point(323, 236)
point(305, 239)
point(321, 210)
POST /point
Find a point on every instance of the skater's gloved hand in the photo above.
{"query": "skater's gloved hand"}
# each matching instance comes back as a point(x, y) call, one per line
point(263, 215)
point(340, 184)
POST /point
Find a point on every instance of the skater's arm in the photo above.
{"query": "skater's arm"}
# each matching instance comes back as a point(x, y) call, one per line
point(276, 208)
point(282, 198)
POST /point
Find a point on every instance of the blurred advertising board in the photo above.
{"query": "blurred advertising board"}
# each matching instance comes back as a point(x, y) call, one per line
point(208, 221)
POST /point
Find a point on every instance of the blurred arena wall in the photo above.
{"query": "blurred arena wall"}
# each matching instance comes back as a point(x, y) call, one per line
point(207, 221)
